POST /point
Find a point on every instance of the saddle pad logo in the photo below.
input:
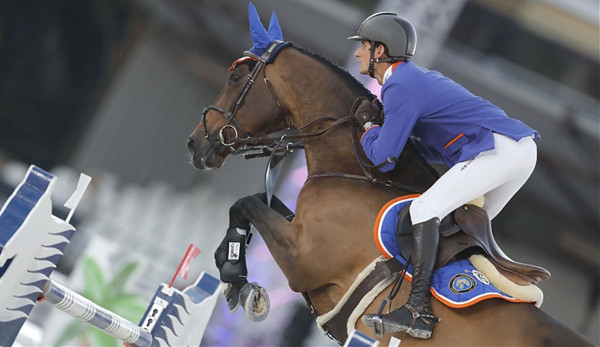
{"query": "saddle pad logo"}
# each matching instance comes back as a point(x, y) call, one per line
point(462, 283)
point(234, 251)
point(481, 277)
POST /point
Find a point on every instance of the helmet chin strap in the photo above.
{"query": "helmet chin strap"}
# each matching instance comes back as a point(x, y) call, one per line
point(372, 60)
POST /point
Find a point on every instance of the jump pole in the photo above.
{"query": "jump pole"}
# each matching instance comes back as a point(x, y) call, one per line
point(79, 307)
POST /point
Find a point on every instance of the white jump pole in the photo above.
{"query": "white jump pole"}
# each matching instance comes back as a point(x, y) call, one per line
point(93, 314)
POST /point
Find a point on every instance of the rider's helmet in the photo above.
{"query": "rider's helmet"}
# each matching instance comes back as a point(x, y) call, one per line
point(395, 32)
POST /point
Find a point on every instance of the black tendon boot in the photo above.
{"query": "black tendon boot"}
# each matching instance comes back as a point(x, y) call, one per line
point(230, 256)
point(416, 316)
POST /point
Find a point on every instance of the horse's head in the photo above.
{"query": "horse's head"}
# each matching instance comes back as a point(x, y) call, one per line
point(247, 107)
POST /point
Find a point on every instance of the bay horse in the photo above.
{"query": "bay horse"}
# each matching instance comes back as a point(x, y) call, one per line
point(328, 243)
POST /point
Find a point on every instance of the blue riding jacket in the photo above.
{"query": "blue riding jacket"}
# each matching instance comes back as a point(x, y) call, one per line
point(450, 124)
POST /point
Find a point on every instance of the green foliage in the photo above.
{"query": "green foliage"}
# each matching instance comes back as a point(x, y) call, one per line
point(112, 296)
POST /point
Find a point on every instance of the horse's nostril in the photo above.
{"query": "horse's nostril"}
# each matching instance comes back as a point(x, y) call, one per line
point(191, 145)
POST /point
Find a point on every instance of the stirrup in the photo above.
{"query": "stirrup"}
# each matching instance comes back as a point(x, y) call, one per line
point(374, 320)
point(389, 323)
point(378, 326)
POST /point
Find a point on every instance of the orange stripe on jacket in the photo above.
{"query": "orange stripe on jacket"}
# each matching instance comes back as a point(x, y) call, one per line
point(454, 140)
point(372, 126)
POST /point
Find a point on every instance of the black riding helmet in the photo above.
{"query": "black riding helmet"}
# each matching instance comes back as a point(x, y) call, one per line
point(398, 35)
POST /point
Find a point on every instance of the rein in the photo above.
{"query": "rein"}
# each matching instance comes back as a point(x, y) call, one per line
point(271, 144)
point(367, 175)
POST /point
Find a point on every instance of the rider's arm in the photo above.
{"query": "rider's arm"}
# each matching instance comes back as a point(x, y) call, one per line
point(387, 141)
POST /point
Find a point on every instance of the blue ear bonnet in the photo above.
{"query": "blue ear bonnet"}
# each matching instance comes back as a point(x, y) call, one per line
point(261, 38)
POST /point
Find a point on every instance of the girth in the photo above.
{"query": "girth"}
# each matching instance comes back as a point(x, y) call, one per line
point(335, 328)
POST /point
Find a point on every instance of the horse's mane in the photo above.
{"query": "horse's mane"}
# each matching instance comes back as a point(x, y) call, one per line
point(344, 74)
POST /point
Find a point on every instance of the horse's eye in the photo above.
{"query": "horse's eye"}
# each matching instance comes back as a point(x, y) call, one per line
point(235, 78)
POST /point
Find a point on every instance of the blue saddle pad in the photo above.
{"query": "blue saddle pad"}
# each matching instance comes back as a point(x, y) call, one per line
point(457, 284)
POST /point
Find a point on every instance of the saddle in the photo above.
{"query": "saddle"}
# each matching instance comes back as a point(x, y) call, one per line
point(467, 231)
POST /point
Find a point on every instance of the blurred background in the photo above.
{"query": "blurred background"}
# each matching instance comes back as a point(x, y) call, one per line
point(112, 88)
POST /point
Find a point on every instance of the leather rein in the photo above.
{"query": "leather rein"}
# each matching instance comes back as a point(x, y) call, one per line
point(253, 147)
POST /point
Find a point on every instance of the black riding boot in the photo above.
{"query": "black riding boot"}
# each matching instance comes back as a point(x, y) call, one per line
point(416, 316)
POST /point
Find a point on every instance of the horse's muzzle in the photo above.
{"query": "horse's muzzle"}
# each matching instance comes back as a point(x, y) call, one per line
point(205, 155)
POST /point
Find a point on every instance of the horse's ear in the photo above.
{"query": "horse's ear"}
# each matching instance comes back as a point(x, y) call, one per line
point(274, 28)
point(260, 37)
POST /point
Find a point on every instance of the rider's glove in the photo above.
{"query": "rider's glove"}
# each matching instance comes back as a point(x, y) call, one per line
point(367, 113)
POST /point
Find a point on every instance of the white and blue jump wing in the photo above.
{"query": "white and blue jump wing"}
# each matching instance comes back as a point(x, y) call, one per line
point(32, 241)
point(177, 318)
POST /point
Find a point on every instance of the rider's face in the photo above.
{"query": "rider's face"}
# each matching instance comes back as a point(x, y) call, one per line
point(362, 53)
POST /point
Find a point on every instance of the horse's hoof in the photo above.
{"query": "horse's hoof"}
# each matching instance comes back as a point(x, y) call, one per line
point(232, 295)
point(255, 301)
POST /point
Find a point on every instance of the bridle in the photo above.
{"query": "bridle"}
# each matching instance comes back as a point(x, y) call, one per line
point(232, 123)
point(260, 146)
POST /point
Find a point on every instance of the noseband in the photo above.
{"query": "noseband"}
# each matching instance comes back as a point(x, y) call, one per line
point(232, 124)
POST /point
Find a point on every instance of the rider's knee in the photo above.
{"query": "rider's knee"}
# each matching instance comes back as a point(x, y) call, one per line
point(421, 211)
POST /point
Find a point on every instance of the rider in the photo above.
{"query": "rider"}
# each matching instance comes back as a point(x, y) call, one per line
point(488, 154)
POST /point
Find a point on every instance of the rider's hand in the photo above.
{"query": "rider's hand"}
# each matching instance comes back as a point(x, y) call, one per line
point(367, 113)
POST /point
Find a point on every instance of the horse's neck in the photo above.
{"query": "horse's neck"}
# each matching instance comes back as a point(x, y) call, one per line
point(318, 92)
point(332, 153)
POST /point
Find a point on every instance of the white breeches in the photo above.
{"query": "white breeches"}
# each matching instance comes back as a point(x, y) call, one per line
point(496, 175)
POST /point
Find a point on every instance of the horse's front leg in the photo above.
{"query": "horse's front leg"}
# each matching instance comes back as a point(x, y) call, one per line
point(230, 256)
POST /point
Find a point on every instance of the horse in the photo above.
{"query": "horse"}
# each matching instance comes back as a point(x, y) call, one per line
point(324, 247)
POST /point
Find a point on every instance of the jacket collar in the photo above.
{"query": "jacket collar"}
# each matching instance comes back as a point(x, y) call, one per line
point(389, 70)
